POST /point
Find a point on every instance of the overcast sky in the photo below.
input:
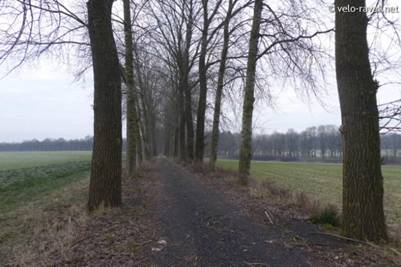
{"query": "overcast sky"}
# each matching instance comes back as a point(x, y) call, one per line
point(43, 101)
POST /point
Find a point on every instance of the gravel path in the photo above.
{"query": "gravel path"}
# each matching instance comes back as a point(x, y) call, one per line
point(201, 228)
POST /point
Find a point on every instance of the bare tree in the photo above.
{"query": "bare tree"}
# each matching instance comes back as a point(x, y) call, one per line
point(105, 180)
point(390, 116)
point(231, 12)
point(246, 132)
point(203, 68)
point(363, 215)
point(288, 51)
point(174, 31)
point(35, 36)
point(26, 34)
point(131, 99)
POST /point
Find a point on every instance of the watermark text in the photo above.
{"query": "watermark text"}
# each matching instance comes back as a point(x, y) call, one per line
point(354, 9)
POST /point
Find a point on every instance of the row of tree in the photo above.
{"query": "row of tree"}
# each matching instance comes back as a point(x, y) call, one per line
point(48, 144)
point(322, 143)
point(180, 55)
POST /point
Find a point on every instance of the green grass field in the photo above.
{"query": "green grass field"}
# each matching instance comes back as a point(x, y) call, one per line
point(35, 187)
point(17, 160)
point(30, 176)
point(322, 181)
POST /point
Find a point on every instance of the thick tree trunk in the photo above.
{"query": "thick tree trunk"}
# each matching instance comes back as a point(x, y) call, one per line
point(219, 89)
point(200, 118)
point(132, 117)
point(105, 180)
point(363, 215)
point(249, 99)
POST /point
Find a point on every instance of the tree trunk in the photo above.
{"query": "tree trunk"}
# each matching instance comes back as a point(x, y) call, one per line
point(182, 125)
point(142, 106)
point(139, 134)
point(200, 118)
point(219, 89)
point(249, 99)
point(363, 216)
point(154, 135)
point(176, 141)
point(105, 180)
point(189, 123)
point(187, 89)
point(132, 117)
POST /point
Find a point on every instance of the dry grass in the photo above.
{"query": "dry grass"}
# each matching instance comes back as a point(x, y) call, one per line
point(55, 229)
point(299, 205)
point(50, 237)
point(323, 181)
point(273, 193)
point(32, 233)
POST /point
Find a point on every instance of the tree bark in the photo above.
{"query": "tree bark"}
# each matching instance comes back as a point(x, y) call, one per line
point(363, 216)
point(189, 123)
point(176, 141)
point(220, 86)
point(105, 180)
point(182, 125)
point(139, 133)
point(142, 107)
point(187, 89)
point(249, 99)
point(132, 117)
point(200, 118)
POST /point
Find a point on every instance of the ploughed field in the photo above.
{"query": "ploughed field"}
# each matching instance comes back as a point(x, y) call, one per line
point(322, 181)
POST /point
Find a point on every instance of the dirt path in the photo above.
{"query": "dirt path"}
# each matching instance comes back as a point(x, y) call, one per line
point(202, 228)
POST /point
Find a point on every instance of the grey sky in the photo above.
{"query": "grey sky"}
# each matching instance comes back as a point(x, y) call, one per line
point(42, 100)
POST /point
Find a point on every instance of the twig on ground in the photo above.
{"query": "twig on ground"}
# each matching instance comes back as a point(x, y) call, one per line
point(255, 263)
point(269, 217)
point(75, 243)
point(142, 243)
point(395, 251)
point(346, 238)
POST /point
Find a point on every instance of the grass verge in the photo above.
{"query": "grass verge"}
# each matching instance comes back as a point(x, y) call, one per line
point(323, 182)
point(40, 199)
point(21, 186)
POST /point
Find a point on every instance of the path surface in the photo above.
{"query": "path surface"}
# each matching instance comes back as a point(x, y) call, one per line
point(201, 228)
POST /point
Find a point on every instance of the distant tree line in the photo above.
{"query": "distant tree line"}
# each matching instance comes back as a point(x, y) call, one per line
point(48, 144)
point(321, 143)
